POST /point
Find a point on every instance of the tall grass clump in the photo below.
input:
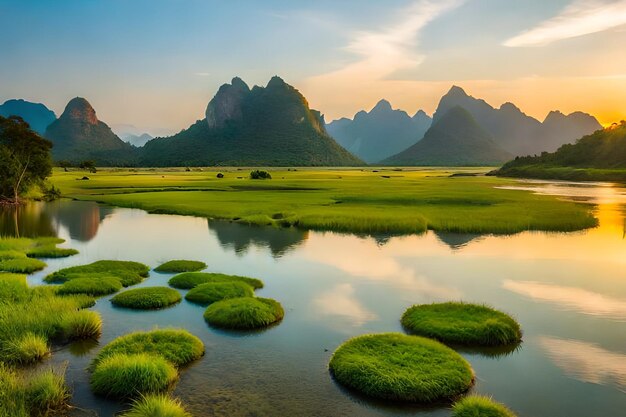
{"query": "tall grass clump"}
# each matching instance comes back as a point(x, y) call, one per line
point(25, 349)
point(147, 298)
point(156, 405)
point(479, 406)
point(211, 292)
point(129, 273)
point(394, 366)
point(130, 375)
point(95, 287)
point(188, 280)
point(462, 323)
point(80, 325)
point(181, 266)
point(244, 313)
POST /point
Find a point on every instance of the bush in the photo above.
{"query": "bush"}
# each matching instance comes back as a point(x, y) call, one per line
point(94, 287)
point(260, 175)
point(215, 291)
point(154, 405)
point(121, 375)
point(479, 406)
point(188, 280)
point(244, 313)
point(394, 366)
point(147, 298)
point(181, 266)
point(462, 323)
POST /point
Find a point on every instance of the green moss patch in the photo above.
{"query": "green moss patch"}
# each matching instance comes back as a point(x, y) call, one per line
point(147, 298)
point(177, 346)
point(43, 247)
point(462, 323)
point(129, 273)
point(394, 366)
point(22, 265)
point(216, 291)
point(244, 313)
point(121, 375)
point(190, 280)
point(181, 266)
point(479, 406)
point(156, 405)
point(50, 252)
point(95, 287)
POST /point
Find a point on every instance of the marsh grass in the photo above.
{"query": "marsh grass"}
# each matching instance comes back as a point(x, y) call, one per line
point(11, 254)
point(244, 313)
point(80, 325)
point(50, 252)
point(181, 266)
point(154, 405)
point(462, 323)
point(188, 280)
point(129, 273)
point(147, 298)
point(130, 375)
point(22, 265)
point(394, 366)
point(26, 349)
point(43, 247)
point(96, 287)
point(211, 292)
point(479, 406)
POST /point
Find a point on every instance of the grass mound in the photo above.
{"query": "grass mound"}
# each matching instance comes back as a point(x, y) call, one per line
point(50, 252)
point(177, 346)
point(462, 323)
point(147, 298)
point(121, 375)
point(244, 313)
point(394, 366)
point(43, 247)
point(181, 266)
point(479, 406)
point(129, 273)
point(95, 287)
point(188, 280)
point(156, 405)
point(216, 291)
point(22, 265)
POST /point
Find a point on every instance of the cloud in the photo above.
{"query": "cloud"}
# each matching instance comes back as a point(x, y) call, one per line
point(341, 302)
point(582, 17)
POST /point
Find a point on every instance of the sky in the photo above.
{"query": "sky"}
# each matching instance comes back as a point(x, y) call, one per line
point(155, 64)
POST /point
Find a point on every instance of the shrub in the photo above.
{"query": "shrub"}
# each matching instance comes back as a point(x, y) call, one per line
point(462, 323)
point(394, 366)
point(244, 313)
point(154, 405)
point(95, 287)
point(260, 175)
point(147, 298)
point(215, 291)
point(479, 406)
point(22, 265)
point(121, 375)
point(181, 266)
point(188, 280)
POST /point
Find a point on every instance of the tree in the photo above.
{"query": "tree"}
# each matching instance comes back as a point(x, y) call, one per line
point(24, 158)
point(89, 165)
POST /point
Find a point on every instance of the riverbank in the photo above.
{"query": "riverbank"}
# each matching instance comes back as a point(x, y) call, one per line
point(562, 173)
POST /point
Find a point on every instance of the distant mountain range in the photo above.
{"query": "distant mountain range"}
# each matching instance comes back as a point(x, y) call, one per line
point(380, 133)
point(137, 140)
point(36, 115)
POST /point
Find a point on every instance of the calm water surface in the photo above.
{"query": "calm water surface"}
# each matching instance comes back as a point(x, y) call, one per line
point(568, 291)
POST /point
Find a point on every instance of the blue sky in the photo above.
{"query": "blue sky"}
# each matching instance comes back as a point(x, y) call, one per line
point(157, 63)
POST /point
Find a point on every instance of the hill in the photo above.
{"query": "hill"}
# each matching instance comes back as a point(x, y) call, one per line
point(455, 139)
point(271, 126)
point(37, 115)
point(380, 133)
point(137, 140)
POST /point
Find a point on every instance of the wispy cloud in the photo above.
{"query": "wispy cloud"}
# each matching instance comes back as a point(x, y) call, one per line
point(582, 17)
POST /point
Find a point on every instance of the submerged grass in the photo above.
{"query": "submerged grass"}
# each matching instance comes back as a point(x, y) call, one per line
point(479, 406)
point(244, 313)
point(147, 298)
point(211, 292)
point(181, 266)
point(462, 323)
point(393, 366)
point(188, 280)
point(156, 405)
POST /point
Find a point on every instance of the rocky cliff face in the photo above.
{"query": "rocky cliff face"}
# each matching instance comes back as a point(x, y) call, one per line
point(227, 103)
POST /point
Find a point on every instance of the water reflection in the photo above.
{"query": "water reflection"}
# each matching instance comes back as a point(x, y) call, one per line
point(29, 220)
point(343, 307)
point(457, 241)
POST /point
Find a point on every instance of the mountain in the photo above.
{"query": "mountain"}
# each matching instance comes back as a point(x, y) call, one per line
point(78, 135)
point(137, 140)
point(380, 133)
point(36, 115)
point(515, 131)
point(454, 139)
point(271, 126)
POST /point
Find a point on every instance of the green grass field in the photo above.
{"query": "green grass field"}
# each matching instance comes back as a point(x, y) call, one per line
point(352, 200)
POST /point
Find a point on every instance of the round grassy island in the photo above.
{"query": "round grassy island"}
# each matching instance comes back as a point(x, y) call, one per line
point(177, 346)
point(212, 292)
point(95, 287)
point(129, 273)
point(394, 366)
point(22, 265)
point(156, 405)
point(244, 313)
point(121, 375)
point(179, 265)
point(479, 406)
point(462, 324)
point(147, 298)
point(188, 280)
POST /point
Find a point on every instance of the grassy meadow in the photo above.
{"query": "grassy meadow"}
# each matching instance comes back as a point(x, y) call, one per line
point(352, 200)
